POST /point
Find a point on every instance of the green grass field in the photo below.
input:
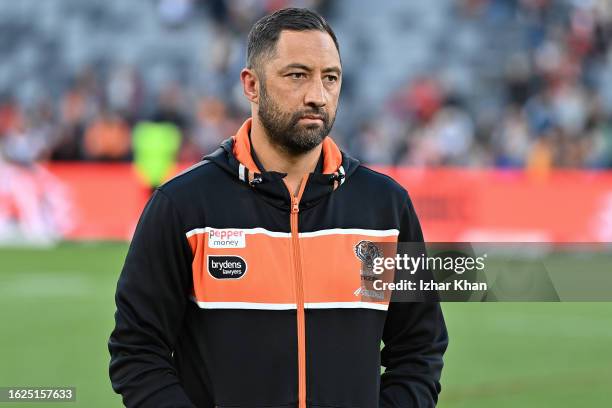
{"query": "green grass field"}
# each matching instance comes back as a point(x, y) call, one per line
point(56, 309)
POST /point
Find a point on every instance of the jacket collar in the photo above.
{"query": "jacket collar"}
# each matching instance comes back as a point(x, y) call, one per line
point(237, 157)
point(332, 156)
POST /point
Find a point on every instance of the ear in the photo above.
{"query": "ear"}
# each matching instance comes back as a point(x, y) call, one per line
point(250, 84)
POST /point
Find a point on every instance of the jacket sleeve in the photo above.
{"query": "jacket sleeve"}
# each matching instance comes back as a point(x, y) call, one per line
point(415, 339)
point(151, 297)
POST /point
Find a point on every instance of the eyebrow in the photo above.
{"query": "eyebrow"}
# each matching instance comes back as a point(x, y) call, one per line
point(295, 65)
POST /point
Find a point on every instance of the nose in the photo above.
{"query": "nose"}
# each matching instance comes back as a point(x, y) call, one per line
point(315, 94)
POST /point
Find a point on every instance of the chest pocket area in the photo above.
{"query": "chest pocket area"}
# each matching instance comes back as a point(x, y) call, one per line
point(334, 272)
point(244, 268)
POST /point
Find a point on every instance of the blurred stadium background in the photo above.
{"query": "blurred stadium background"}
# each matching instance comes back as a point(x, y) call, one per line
point(495, 114)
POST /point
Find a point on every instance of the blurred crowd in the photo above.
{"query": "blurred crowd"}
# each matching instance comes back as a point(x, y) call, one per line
point(550, 107)
point(553, 107)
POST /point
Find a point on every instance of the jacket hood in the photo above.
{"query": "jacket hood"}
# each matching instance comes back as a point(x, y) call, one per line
point(235, 156)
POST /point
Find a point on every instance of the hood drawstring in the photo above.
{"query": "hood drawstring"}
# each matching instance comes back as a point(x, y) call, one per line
point(256, 180)
point(247, 176)
point(338, 177)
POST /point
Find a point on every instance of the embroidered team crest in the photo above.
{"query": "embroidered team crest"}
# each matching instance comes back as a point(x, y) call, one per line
point(367, 251)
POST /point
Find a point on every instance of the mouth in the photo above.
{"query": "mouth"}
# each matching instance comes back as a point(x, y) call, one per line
point(312, 118)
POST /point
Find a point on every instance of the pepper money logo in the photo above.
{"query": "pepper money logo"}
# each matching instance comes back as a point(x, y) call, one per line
point(226, 266)
point(226, 238)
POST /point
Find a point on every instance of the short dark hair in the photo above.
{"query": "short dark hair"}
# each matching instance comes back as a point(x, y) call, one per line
point(266, 31)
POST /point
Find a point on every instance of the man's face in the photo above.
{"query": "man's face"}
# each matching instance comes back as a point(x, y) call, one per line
point(299, 91)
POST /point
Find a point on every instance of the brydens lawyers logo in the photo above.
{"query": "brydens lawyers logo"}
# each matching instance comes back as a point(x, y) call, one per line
point(226, 238)
point(226, 266)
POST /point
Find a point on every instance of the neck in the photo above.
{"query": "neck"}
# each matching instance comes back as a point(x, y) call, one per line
point(274, 158)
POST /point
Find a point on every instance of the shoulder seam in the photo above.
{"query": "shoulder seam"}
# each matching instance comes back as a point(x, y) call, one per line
point(174, 207)
point(188, 170)
point(383, 175)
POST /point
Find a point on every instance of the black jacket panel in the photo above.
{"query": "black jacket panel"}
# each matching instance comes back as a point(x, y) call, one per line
point(185, 338)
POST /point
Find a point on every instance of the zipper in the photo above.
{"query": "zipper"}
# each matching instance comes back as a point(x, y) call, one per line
point(299, 292)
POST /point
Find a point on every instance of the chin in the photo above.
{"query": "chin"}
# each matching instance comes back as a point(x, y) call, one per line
point(313, 126)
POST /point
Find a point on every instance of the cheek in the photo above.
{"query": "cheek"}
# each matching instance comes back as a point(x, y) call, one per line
point(333, 94)
point(287, 88)
point(289, 96)
point(332, 102)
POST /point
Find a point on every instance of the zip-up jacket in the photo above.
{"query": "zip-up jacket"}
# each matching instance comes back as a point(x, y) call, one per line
point(235, 293)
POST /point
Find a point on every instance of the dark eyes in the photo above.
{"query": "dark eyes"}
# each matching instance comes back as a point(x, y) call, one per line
point(297, 75)
point(301, 75)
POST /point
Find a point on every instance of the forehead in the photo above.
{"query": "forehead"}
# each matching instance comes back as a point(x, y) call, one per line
point(310, 47)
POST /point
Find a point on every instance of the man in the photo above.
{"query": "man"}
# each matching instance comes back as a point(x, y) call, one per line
point(239, 288)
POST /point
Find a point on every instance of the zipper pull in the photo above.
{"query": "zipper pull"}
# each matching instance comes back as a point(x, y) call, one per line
point(295, 205)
